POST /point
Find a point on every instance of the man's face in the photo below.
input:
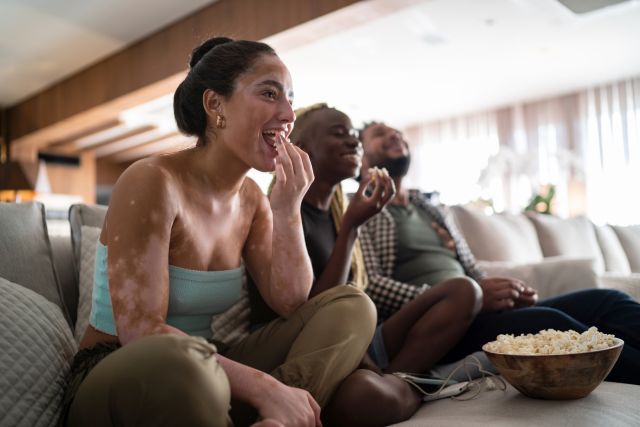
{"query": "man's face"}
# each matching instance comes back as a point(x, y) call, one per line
point(384, 146)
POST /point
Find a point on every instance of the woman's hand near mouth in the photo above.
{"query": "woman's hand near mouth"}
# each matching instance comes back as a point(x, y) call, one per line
point(294, 175)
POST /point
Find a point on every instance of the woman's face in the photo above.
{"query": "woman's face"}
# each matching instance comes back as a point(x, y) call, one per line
point(259, 109)
point(333, 146)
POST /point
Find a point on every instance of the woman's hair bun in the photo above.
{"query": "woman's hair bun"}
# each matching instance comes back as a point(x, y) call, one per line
point(205, 47)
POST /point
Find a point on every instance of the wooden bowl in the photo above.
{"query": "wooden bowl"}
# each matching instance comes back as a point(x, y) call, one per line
point(562, 376)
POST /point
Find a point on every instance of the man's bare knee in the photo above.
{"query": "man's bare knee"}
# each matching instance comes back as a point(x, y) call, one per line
point(467, 292)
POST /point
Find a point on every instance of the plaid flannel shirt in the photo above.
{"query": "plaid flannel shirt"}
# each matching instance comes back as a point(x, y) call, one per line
point(379, 242)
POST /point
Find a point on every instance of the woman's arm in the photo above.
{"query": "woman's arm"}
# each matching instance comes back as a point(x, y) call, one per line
point(275, 252)
point(137, 233)
point(273, 399)
point(360, 209)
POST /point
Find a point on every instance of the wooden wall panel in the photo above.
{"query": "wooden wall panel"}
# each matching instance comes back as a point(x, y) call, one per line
point(78, 180)
point(160, 56)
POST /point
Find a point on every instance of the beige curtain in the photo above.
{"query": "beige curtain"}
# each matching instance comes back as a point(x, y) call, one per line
point(586, 144)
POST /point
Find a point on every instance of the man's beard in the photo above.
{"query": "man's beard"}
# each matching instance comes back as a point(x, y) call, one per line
point(397, 167)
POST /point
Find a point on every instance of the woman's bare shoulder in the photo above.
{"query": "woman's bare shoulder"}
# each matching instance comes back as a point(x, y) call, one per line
point(253, 195)
point(145, 186)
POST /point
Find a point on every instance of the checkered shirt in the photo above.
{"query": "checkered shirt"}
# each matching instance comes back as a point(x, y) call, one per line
point(379, 243)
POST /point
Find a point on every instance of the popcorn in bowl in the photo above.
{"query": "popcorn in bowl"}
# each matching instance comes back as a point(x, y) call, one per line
point(550, 341)
point(555, 364)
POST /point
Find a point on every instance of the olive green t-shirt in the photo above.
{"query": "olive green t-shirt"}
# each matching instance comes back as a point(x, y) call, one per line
point(421, 256)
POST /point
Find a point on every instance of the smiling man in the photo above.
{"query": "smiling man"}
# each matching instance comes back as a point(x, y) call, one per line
point(412, 245)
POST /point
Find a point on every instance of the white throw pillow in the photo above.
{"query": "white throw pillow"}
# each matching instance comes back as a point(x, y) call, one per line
point(90, 236)
point(551, 277)
point(37, 348)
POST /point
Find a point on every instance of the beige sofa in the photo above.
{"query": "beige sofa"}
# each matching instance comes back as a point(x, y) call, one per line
point(553, 254)
point(43, 304)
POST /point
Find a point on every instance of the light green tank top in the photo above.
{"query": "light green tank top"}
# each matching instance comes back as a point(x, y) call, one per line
point(194, 296)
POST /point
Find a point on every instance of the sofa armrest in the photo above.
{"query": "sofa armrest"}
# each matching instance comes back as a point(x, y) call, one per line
point(551, 277)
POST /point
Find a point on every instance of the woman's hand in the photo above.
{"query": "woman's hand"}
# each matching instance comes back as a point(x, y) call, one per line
point(294, 175)
point(362, 207)
point(288, 406)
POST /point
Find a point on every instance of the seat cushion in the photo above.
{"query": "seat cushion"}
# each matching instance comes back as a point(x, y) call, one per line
point(610, 404)
point(25, 251)
point(500, 237)
point(572, 237)
point(37, 348)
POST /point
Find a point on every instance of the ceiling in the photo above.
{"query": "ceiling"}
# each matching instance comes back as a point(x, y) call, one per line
point(443, 58)
point(36, 35)
point(427, 59)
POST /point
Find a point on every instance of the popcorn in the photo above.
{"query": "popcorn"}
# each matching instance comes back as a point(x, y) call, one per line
point(376, 172)
point(550, 341)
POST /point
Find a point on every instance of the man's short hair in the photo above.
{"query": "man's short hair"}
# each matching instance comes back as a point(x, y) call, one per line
point(366, 126)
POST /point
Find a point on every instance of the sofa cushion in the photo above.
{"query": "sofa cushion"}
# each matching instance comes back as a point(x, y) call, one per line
point(500, 237)
point(615, 259)
point(90, 236)
point(37, 348)
point(630, 239)
point(79, 215)
point(572, 237)
point(550, 277)
point(610, 404)
point(63, 262)
point(25, 251)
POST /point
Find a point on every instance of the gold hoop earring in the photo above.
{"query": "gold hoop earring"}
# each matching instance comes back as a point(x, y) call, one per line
point(221, 122)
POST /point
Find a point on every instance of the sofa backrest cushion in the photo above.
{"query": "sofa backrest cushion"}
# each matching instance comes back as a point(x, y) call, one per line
point(25, 251)
point(615, 259)
point(630, 239)
point(37, 348)
point(79, 215)
point(572, 237)
point(499, 237)
point(90, 237)
point(63, 262)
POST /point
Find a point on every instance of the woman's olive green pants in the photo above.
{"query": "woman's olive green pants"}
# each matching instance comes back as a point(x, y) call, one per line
point(170, 380)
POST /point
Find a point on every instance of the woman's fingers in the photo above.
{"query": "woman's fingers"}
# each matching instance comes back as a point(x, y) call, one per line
point(307, 168)
point(316, 410)
point(285, 158)
point(294, 155)
point(281, 176)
